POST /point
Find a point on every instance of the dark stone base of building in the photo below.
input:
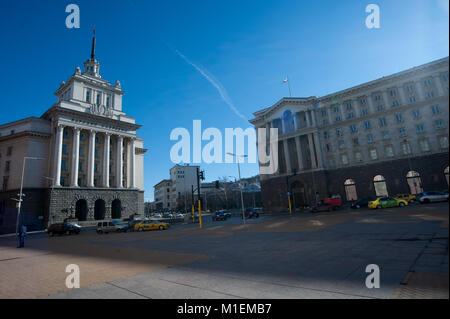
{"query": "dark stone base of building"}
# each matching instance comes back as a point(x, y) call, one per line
point(44, 205)
point(329, 182)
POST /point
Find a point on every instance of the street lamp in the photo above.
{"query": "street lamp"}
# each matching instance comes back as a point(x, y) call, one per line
point(19, 205)
point(240, 182)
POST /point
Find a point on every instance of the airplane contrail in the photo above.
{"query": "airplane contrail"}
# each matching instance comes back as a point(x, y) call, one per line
point(214, 82)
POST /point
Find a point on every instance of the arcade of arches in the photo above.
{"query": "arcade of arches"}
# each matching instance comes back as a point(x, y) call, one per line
point(379, 185)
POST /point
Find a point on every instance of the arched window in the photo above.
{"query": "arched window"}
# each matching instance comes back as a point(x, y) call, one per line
point(380, 186)
point(288, 121)
point(446, 174)
point(414, 182)
point(81, 210)
point(350, 190)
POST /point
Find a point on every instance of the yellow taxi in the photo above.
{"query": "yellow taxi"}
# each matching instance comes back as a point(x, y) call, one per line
point(150, 225)
point(407, 197)
point(386, 202)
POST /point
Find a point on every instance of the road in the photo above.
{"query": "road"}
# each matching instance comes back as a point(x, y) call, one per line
point(301, 256)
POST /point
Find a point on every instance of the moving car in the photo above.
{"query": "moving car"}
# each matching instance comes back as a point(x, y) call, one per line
point(150, 225)
point(226, 213)
point(386, 202)
point(219, 215)
point(434, 196)
point(250, 213)
point(334, 201)
point(363, 202)
point(64, 228)
point(408, 197)
point(111, 227)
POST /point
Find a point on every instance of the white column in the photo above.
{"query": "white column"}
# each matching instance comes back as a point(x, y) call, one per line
point(287, 157)
point(313, 117)
point(299, 153)
point(132, 164)
point(91, 159)
point(119, 162)
point(311, 150)
point(75, 156)
point(401, 93)
point(308, 122)
point(58, 152)
point(106, 160)
point(438, 84)
point(318, 149)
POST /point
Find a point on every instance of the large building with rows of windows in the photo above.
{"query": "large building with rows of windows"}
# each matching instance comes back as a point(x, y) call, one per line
point(386, 136)
point(82, 158)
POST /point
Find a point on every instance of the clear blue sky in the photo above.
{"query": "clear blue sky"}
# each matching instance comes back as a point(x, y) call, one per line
point(249, 46)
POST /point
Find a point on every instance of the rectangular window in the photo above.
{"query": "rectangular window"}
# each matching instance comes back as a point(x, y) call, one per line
point(7, 166)
point(325, 122)
point(349, 105)
point(339, 132)
point(326, 134)
point(385, 134)
point(5, 183)
point(389, 151)
point(336, 109)
point(98, 98)
point(64, 149)
point(9, 151)
point(430, 95)
point(393, 93)
point(367, 125)
point(382, 122)
point(370, 138)
point(63, 165)
point(108, 98)
point(406, 148)
point(443, 141)
point(353, 128)
point(424, 146)
point(324, 112)
point(427, 82)
point(373, 154)
point(438, 124)
point(350, 115)
point(435, 109)
point(344, 159)
point(377, 97)
point(416, 114)
point(380, 107)
point(399, 118)
point(365, 111)
point(338, 118)
point(395, 103)
point(362, 101)
point(356, 141)
point(402, 131)
point(419, 128)
point(80, 166)
point(412, 99)
point(341, 144)
point(88, 96)
point(410, 88)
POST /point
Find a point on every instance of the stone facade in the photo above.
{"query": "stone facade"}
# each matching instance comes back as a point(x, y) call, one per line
point(384, 129)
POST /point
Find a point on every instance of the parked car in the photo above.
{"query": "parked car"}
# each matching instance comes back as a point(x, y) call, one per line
point(158, 215)
point(250, 213)
point(386, 202)
point(433, 196)
point(227, 213)
point(363, 202)
point(112, 226)
point(334, 201)
point(322, 207)
point(167, 215)
point(150, 225)
point(408, 197)
point(179, 215)
point(219, 215)
point(64, 228)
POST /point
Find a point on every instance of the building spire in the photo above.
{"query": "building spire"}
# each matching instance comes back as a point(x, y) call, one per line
point(93, 46)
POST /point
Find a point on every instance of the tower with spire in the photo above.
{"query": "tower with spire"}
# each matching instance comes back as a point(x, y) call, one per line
point(91, 66)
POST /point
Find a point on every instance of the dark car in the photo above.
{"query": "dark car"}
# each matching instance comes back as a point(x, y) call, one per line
point(363, 202)
point(220, 215)
point(63, 228)
point(250, 213)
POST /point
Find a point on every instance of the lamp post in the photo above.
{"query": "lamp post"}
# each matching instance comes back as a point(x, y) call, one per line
point(240, 181)
point(19, 205)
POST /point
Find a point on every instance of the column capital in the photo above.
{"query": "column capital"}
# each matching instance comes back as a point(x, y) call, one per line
point(76, 128)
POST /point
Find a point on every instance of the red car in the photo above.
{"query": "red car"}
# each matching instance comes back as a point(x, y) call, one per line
point(322, 207)
point(250, 212)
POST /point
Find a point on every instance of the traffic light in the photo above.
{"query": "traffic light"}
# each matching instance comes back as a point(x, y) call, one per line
point(217, 185)
point(202, 175)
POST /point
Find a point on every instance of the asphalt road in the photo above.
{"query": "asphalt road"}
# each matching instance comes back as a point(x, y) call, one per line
point(302, 256)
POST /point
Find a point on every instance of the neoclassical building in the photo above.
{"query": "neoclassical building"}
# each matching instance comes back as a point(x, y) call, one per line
point(87, 161)
point(386, 136)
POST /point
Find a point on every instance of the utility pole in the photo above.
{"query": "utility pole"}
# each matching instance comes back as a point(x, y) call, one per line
point(200, 175)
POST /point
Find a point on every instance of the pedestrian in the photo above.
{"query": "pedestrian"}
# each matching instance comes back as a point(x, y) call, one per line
point(22, 235)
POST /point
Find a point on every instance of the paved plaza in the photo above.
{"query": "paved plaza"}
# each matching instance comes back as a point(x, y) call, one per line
point(301, 256)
